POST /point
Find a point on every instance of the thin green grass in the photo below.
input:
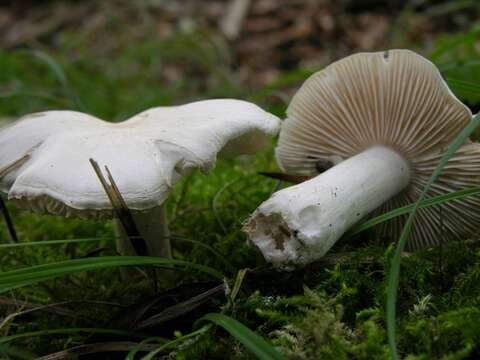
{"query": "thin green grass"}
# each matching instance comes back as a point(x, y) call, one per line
point(51, 242)
point(29, 335)
point(465, 87)
point(437, 200)
point(132, 353)
point(173, 343)
point(27, 276)
point(394, 271)
point(58, 72)
point(256, 344)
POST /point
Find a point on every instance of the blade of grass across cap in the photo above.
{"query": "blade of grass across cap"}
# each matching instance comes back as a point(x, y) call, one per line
point(26, 276)
point(394, 271)
point(440, 199)
point(253, 342)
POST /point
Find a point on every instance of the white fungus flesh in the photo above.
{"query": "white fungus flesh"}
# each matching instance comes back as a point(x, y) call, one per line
point(45, 159)
point(146, 154)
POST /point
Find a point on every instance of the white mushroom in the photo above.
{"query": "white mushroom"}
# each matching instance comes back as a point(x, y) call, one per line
point(384, 119)
point(146, 155)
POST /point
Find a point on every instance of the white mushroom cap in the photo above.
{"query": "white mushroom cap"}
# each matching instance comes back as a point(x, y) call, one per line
point(396, 99)
point(146, 154)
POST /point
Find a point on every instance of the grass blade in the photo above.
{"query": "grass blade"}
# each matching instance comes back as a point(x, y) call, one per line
point(51, 242)
point(238, 284)
point(453, 43)
point(253, 342)
point(171, 344)
point(141, 345)
point(440, 199)
point(220, 257)
point(465, 87)
point(215, 202)
point(31, 334)
point(394, 272)
point(57, 70)
point(26, 276)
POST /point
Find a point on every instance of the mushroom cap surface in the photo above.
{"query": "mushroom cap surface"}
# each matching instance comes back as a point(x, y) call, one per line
point(396, 99)
point(146, 154)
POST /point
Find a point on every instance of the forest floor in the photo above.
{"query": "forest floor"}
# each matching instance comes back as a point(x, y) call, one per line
point(116, 58)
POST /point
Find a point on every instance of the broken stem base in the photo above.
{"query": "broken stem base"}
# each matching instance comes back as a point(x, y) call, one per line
point(299, 224)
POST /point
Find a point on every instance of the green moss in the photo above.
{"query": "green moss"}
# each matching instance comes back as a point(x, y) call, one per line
point(329, 310)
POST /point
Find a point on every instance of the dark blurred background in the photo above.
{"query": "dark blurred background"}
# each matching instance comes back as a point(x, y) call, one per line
point(112, 52)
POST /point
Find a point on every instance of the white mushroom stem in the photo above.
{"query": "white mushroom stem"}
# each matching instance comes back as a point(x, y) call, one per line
point(152, 226)
point(300, 224)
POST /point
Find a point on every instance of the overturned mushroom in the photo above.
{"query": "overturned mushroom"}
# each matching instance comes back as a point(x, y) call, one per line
point(45, 167)
point(384, 119)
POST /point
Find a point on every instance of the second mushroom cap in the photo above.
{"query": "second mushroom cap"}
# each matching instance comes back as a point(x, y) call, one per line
point(392, 102)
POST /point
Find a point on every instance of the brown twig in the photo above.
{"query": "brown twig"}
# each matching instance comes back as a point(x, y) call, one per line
point(123, 213)
point(121, 209)
point(292, 178)
point(13, 165)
